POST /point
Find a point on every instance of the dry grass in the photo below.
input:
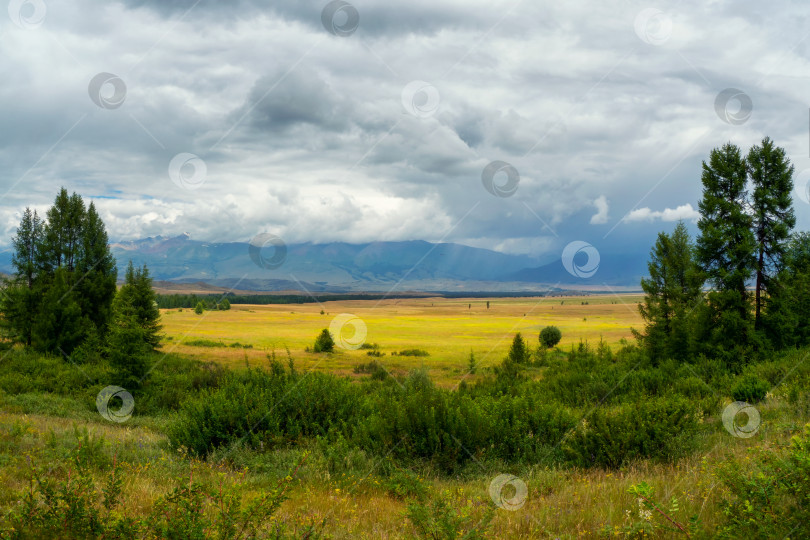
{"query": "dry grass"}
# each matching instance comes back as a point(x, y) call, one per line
point(560, 503)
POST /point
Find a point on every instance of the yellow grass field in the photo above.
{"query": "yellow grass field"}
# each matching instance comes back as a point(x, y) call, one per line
point(448, 329)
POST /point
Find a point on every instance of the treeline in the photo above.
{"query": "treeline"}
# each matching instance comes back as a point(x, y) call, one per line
point(756, 270)
point(61, 297)
point(210, 301)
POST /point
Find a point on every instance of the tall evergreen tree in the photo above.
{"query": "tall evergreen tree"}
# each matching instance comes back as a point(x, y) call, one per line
point(137, 299)
point(59, 326)
point(672, 292)
point(725, 249)
point(60, 264)
point(773, 218)
point(787, 317)
point(96, 271)
point(20, 301)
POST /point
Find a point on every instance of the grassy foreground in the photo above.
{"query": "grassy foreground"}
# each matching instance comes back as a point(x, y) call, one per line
point(49, 427)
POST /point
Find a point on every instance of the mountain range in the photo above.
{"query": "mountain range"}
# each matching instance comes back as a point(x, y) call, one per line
point(371, 267)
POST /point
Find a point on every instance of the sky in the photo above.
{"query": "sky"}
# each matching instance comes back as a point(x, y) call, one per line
point(518, 126)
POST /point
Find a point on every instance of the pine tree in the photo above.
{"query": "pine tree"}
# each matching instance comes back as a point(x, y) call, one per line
point(787, 319)
point(773, 218)
point(324, 342)
point(62, 233)
point(20, 302)
point(519, 351)
point(127, 347)
point(725, 251)
point(137, 303)
point(96, 270)
point(59, 325)
point(60, 263)
point(671, 293)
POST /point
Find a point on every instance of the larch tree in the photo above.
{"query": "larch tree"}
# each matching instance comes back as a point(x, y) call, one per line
point(20, 302)
point(725, 249)
point(671, 293)
point(96, 271)
point(771, 204)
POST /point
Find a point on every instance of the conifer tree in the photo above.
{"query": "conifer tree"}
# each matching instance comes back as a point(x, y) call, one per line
point(60, 263)
point(725, 251)
point(96, 271)
point(20, 301)
point(672, 292)
point(773, 219)
point(137, 302)
point(59, 325)
point(519, 351)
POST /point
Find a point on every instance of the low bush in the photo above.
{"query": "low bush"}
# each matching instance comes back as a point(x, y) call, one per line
point(663, 429)
point(374, 369)
point(769, 496)
point(550, 336)
point(751, 389)
point(324, 342)
point(411, 352)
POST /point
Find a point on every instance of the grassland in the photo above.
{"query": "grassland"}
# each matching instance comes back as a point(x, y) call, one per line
point(447, 328)
point(345, 489)
point(356, 503)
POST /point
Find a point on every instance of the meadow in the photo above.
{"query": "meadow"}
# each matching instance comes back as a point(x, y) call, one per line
point(448, 329)
point(342, 475)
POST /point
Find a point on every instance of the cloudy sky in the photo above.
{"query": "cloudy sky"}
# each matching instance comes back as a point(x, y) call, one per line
point(382, 120)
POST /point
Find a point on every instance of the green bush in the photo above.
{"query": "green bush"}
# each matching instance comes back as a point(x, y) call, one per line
point(324, 342)
point(750, 388)
point(769, 496)
point(663, 429)
point(374, 369)
point(411, 352)
point(550, 336)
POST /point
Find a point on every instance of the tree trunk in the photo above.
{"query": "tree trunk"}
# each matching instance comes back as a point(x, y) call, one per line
point(758, 301)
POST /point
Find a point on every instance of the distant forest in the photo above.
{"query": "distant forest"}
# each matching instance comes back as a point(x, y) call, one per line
point(172, 301)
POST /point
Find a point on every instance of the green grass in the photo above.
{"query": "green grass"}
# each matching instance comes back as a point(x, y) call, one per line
point(46, 401)
point(445, 328)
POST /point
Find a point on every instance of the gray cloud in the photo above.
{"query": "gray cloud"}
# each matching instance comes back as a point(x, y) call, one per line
point(304, 134)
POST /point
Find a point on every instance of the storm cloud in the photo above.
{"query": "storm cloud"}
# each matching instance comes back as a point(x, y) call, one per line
point(383, 129)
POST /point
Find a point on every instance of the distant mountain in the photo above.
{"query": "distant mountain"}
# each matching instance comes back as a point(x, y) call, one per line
point(338, 266)
point(375, 266)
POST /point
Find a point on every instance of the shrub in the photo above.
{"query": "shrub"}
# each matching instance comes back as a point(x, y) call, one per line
point(411, 352)
point(445, 519)
point(373, 368)
point(769, 496)
point(750, 388)
point(659, 428)
point(324, 342)
point(199, 308)
point(550, 336)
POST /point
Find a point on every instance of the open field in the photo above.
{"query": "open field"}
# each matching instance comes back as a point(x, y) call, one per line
point(447, 328)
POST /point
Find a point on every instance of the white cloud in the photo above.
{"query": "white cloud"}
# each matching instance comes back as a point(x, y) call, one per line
point(601, 215)
point(684, 212)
